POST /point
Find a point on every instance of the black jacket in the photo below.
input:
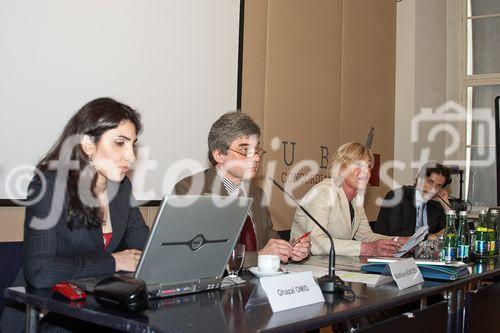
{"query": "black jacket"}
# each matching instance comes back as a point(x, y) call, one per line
point(58, 253)
point(400, 218)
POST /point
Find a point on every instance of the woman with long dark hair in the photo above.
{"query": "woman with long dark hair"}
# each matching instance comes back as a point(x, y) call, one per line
point(79, 219)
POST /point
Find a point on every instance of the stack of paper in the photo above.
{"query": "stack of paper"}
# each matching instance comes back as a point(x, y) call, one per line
point(417, 237)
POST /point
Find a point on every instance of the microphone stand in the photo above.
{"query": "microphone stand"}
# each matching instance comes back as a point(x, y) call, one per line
point(330, 283)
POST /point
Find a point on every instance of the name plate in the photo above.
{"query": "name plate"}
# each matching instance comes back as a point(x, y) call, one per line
point(406, 273)
point(291, 291)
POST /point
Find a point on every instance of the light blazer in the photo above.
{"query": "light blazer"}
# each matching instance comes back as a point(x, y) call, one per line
point(59, 253)
point(207, 182)
point(328, 204)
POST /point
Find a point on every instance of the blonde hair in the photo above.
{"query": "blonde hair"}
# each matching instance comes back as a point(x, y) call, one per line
point(345, 155)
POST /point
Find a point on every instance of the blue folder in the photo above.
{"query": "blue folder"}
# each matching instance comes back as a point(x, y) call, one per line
point(431, 272)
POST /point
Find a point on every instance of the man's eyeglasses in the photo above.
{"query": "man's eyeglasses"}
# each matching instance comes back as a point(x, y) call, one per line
point(249, 153)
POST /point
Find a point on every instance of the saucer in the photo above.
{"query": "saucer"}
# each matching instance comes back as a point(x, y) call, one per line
point(255, 271)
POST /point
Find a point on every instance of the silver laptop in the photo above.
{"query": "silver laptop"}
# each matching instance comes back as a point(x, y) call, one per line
point(190, 243)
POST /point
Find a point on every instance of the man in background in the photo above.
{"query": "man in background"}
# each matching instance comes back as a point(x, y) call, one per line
point(409, 207)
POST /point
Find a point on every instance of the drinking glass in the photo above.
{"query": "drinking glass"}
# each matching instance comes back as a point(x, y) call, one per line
point(235, 260)
point(428, 249)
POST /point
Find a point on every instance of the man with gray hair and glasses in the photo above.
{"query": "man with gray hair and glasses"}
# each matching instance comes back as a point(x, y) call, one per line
point(235, 155)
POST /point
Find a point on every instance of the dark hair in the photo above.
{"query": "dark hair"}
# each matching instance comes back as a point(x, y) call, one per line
point(93, 119)
point(227, 128)
point(434, 167)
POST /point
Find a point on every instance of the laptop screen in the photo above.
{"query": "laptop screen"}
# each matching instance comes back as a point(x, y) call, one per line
point(192, 238)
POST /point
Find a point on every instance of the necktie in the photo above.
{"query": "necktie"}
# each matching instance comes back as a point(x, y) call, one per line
point(420, 215)
point(247, 236)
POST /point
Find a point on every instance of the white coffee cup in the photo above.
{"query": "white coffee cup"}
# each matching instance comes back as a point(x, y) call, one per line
point(268, 263)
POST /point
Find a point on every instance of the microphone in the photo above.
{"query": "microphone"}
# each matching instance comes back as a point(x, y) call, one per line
point(329, 283)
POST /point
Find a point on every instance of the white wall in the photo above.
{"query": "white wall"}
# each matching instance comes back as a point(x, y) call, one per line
point(426, 77)
point(175, 61)
point(405, 88)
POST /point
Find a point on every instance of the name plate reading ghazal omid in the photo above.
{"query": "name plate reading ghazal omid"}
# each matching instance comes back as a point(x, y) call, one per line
point(406, 273)
point(291, 291)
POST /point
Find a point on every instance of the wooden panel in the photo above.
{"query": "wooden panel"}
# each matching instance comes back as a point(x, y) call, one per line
point(302, 103)
point(368, 80)
point(417, 323)
point(12, 220)
point(254, 59)
point(482, 309)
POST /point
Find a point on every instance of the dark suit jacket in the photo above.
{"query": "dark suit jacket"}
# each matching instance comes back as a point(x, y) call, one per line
point(400, 219)
point(209, 182)
point(59, 253)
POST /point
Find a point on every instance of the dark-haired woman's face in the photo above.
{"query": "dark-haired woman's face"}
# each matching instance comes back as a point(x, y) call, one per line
point(114, 152)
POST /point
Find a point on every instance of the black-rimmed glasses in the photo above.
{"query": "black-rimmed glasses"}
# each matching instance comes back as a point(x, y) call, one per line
point(249, 153)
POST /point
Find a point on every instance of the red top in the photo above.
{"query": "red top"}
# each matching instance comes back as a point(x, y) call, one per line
point(107, 239)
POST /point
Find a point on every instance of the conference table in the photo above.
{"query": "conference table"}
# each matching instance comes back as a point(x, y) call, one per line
point(226, 311)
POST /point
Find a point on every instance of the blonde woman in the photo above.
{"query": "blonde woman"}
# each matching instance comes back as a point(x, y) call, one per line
point(337, 204)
